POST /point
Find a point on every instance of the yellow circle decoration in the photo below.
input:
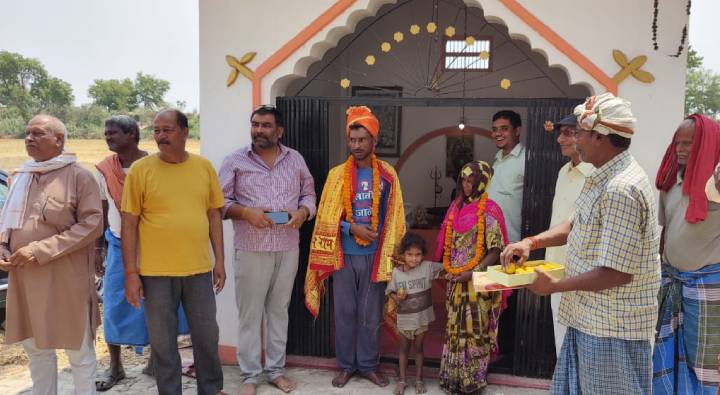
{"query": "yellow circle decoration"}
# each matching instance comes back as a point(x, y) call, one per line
point(385, 47)
point(431, 27)
point(345, 83)
point(484, 55)
point(450, 31)
point(370, 60)
point(470, 41)
point(505, 83)
point(398, 36)
point(414, 29)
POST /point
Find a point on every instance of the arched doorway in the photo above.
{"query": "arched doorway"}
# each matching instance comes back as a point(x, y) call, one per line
point(421, 99)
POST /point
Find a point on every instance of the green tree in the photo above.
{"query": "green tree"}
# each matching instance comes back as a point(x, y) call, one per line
point(113, 95)
point(702, 88)
point(150, 91)
point(26, 86)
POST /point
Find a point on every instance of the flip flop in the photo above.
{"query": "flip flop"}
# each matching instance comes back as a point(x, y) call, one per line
point(188, 369)
point(400, 388)
point(109, 381)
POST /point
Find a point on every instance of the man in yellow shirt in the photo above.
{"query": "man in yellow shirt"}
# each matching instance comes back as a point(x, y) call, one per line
point(170, 211)
point(570, 181)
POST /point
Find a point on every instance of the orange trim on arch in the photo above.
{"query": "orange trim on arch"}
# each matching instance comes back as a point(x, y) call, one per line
point(293, 45)
point(425, 138)
point(342, 5)
point(563, 46)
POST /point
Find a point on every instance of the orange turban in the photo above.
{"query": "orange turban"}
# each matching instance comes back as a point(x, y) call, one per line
point(361, 115)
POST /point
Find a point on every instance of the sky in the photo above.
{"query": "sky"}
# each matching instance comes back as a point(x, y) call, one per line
point(83, 40)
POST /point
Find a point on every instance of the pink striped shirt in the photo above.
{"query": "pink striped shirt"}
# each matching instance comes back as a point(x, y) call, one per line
point(246, 180)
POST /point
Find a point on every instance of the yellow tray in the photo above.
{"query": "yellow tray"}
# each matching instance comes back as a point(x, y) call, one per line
point(496, 275)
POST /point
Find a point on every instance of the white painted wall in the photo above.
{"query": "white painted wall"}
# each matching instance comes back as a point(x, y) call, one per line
point(593, 28)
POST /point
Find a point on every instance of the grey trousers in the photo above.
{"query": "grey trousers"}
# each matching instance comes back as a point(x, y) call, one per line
point(263, 286)
point(358, 314)
point(162, 298)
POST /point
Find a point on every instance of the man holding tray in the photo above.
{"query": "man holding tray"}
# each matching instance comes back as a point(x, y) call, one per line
point(269, 193)
point(609, 302)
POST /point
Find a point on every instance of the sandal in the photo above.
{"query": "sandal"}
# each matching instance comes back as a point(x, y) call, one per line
point(400, 388)
point(420, 387)
point(188, 369)
point(109, 380)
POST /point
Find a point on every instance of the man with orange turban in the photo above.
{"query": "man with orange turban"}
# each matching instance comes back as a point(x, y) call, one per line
point(360, 221)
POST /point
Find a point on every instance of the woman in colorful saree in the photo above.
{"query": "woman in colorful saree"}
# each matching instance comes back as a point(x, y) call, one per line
point(471, 238)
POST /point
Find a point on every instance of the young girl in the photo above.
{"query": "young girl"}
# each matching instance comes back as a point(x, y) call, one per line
point(410, 289)
point(471, 238)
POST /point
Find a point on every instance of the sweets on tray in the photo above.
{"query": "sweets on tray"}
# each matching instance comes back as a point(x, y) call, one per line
point(520, 275)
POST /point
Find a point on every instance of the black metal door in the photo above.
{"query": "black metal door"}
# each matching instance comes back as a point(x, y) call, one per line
point(306, 130)
point(534, 348)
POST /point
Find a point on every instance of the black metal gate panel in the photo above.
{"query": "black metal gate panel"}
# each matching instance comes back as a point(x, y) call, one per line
point(306, 130)
point(530, 317)
point(534, 348)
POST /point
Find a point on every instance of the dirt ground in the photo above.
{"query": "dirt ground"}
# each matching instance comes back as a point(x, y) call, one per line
point(14, 360)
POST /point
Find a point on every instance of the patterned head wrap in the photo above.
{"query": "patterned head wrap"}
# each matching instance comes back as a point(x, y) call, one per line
point(606, 114)
point(362, 116)
point(480, 173)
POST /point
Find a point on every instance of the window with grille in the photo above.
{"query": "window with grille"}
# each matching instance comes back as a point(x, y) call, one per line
point(458, 55)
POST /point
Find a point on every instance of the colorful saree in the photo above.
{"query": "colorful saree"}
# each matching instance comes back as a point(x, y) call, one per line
point(472, 324)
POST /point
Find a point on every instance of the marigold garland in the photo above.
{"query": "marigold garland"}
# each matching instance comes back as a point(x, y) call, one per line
point(349, 189)
point(479, 245)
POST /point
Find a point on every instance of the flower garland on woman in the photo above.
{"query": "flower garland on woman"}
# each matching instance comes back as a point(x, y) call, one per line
point(471, 238)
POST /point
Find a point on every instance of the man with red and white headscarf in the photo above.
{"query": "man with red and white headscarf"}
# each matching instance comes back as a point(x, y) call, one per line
point(609, 300)
point(685, 358)
point(360, 221)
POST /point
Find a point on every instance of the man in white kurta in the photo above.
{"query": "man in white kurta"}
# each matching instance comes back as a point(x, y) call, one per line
point(570, 181)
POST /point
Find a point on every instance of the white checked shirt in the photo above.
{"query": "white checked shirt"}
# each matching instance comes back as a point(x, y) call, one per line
point(615, 226)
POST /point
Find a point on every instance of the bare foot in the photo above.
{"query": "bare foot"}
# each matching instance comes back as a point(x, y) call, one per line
point(420, 387)
point(283, 384)
point(248, 389)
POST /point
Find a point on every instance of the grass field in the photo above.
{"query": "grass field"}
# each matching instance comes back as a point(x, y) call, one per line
point(89, 152)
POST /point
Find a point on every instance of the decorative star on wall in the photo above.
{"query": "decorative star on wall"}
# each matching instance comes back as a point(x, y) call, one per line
point(239, 67)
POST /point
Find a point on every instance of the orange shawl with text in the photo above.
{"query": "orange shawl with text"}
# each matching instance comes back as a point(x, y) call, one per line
point(326, 253)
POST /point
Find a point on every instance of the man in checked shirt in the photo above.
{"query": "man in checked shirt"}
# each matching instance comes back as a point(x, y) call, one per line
point(257, 179)
point(609, 301)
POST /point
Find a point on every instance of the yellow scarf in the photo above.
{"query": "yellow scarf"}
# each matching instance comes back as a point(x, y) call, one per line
point(326, 253)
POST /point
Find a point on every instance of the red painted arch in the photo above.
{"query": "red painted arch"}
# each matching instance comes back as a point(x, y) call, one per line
point(446, 131)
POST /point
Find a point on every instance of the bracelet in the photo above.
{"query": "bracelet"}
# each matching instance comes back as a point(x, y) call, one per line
point(129, 272)
point(534, 242)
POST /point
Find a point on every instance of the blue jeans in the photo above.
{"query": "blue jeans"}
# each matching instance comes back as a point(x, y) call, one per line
point(358, 314)
point(162, 298)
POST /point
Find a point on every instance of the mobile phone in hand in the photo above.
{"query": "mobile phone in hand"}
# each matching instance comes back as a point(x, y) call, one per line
point(278, 217)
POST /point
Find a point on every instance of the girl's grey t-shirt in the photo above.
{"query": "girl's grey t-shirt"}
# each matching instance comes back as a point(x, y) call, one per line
point(416, 310)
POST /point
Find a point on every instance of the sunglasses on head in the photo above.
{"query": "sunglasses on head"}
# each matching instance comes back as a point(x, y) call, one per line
point(268, 107)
